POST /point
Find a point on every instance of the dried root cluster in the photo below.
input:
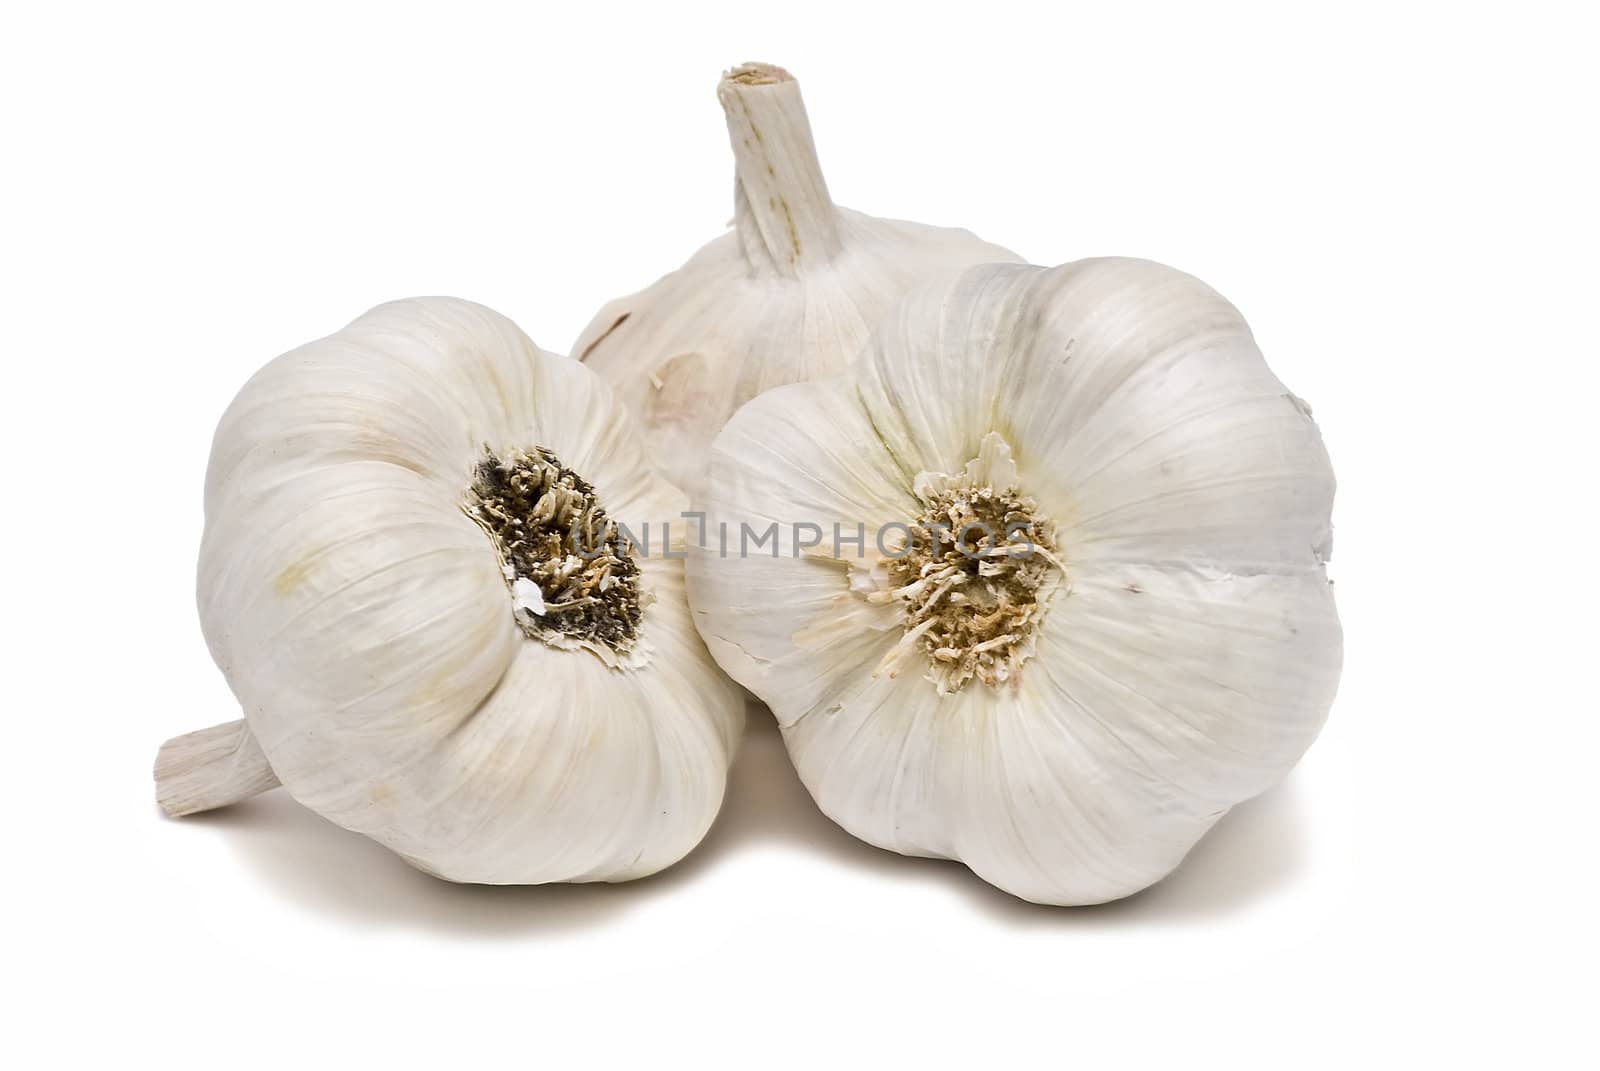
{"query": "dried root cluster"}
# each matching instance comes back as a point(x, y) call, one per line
point(972, 575)
point(552, 531)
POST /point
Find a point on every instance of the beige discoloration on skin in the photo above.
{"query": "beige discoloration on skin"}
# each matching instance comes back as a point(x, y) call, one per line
point(440, 686)
point(788, 221)
point(759, 74)
point(292, 579)
point(756, 75)
point(590, 348)
point(681, 392)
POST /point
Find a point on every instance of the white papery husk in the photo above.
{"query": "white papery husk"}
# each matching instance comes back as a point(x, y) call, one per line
point(366, 625)
point(789, 295)
point(1186, 660)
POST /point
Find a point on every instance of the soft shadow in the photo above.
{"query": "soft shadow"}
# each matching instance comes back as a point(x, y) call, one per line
point(330, 870)
point(1250, 852)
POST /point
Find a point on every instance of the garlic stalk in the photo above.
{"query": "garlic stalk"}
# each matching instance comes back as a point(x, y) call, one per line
point(790, 294)
point(413, 578)
point(1048, 591)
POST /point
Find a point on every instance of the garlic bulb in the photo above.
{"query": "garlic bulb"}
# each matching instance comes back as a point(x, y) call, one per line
point(1046, 592)
point(413, 579)
point(790, 294)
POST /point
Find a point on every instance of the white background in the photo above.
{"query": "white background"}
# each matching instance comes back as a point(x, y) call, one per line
point(1402, 199)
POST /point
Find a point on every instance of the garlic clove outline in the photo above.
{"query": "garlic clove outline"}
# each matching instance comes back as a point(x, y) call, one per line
point(1070, 733)
point(381, 640)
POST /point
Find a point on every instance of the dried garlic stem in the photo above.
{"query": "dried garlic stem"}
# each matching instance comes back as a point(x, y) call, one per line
point(212, 768)
point(785, 217)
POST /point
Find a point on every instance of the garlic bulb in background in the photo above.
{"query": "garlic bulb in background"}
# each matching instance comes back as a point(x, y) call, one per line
point(413, 581)
point(789, 295)
point(1136, 631)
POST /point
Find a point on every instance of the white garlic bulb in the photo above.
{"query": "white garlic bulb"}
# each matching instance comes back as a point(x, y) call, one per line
point(413, 581)
point(789, 295)
point(1136, 631)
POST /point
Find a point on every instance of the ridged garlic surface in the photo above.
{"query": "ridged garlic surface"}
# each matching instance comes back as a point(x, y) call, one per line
point(1147, 638)
point(789, 295)
point(388, 582)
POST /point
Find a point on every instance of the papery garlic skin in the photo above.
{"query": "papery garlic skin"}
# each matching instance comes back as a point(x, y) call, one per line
point(790, 295)
point(368, 625)
point(1184, 661)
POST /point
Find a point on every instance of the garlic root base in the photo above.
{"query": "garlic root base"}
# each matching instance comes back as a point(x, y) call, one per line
point(211, 768)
